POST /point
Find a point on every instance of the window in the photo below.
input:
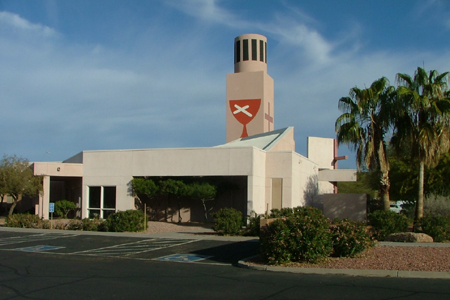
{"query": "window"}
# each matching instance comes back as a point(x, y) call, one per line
point(237, 52)
point(265, 52)
point(245, 49)
point(261, 50)
point(102, 201)
point(254, 50)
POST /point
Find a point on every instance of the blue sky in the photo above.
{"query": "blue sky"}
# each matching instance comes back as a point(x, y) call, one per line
point(87, 75)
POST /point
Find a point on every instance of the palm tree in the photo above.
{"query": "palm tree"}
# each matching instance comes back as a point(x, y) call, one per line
point(422, 124)
point(363, 126)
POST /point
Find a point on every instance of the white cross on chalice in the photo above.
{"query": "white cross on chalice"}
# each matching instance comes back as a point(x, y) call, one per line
point(242, 110)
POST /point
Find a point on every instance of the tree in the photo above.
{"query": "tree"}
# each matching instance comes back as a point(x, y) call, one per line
point(436, 179)
point(363, 126)
point(148, 188)
point(422, 124)
point(364, 185)
point(64, 207)
point(17, 179)
point(173, 188)
point(204, 192)
point(403, 175)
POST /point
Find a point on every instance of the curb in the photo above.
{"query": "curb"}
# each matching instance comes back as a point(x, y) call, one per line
point(349, 272)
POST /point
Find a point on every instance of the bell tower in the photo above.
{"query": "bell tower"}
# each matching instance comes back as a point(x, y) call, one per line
point(250, 92)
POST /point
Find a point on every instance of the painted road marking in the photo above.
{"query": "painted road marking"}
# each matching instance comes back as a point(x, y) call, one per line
point(185, 258)
point(134, 248)
point(33, 238)
point(38, 248)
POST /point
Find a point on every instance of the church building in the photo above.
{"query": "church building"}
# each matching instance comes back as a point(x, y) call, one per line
point(257, 160)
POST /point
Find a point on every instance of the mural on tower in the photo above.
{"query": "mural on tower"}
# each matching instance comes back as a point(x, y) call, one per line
point(245, 111)
point(250, 93)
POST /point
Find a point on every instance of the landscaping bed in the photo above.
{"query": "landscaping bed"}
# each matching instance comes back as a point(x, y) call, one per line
point(403, 258)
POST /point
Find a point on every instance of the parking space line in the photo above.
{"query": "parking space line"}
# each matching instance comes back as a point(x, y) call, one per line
point(127, 249)
point(33, 238)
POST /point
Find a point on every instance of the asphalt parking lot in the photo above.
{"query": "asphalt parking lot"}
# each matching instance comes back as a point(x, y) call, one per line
point(51, 264)
point(194, 250)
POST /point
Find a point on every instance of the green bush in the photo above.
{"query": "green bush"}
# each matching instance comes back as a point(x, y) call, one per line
point(23, 221)
point(75, 225)
point(386, 222)
point(88, 225)
point(129, 221)
point(438, 227)
point(59, 225)
point(281, 213)
point(64, 207)
point(349, 238)
point(253, 224)
point(303, 237)
point(227, 221)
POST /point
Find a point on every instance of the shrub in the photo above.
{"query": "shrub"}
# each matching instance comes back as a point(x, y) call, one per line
point(64, 207)
point(129, 220)
point(44, 224)
point(281, 213)
point(92, 224)
point(23, 221)
point(349, 238)
point(58, 225)
point(253, 224)
point(303, 237)
point(228, 221)
point(75, 225)
point(437, 205)
point(408, 209)
point(386, 222)
point(438, 227)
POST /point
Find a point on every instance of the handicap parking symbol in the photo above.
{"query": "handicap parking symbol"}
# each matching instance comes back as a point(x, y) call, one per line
point(38, 248)
point(186, 258)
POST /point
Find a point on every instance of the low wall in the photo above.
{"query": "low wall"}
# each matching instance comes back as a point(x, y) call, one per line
point(352, 206)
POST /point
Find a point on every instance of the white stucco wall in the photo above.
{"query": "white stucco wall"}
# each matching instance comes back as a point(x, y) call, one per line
point(257, 183)
point(58, 169)
point(320, 151)
point(117, 168)
point(296, 171)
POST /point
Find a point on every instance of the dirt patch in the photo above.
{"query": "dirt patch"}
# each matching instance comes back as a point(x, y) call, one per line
point(159, 227)
point(414, 258)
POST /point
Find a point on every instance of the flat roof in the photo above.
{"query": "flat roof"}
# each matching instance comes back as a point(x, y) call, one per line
point(263, 141)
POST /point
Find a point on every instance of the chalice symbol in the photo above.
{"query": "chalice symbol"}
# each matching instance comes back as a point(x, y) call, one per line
point(245, 111)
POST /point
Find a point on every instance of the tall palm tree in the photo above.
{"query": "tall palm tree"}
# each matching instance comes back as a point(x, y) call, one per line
point(422, 124)
point(363, 126)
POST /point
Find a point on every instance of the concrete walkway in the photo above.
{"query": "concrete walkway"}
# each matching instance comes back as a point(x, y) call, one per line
point(193, 234)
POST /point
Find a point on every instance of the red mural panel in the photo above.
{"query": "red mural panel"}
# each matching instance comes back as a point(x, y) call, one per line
point(244, 111)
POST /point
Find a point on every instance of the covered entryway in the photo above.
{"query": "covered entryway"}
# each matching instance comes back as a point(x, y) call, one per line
point(59, 181)
point(231, 192)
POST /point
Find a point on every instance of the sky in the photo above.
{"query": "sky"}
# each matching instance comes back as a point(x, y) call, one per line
point(106, 74)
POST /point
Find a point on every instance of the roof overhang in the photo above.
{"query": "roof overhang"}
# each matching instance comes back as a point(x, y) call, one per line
point(58, 169)
point(337, 175)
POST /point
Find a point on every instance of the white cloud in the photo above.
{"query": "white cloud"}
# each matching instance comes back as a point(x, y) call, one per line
point(291, 28)
point(13, 21)
point(433, 11)
point(314, 46)
point(70, 97)
point(171, 93)
point(207, 10)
